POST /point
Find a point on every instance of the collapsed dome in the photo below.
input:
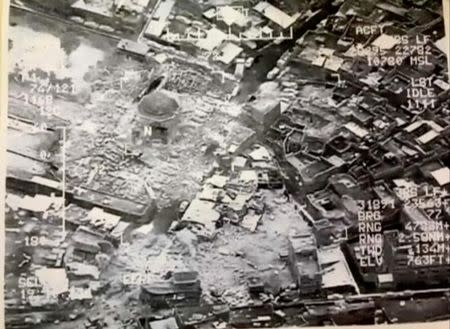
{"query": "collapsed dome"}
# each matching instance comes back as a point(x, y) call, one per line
point(158, 106)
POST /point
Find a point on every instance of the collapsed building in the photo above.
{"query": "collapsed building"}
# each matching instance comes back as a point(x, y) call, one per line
point(304, 264)
point(182, 289)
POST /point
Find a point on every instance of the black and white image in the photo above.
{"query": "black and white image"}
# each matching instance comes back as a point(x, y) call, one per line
point(218, 164)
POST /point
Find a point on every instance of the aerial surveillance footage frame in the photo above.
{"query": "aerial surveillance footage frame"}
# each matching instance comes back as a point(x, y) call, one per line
point(218, 164)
